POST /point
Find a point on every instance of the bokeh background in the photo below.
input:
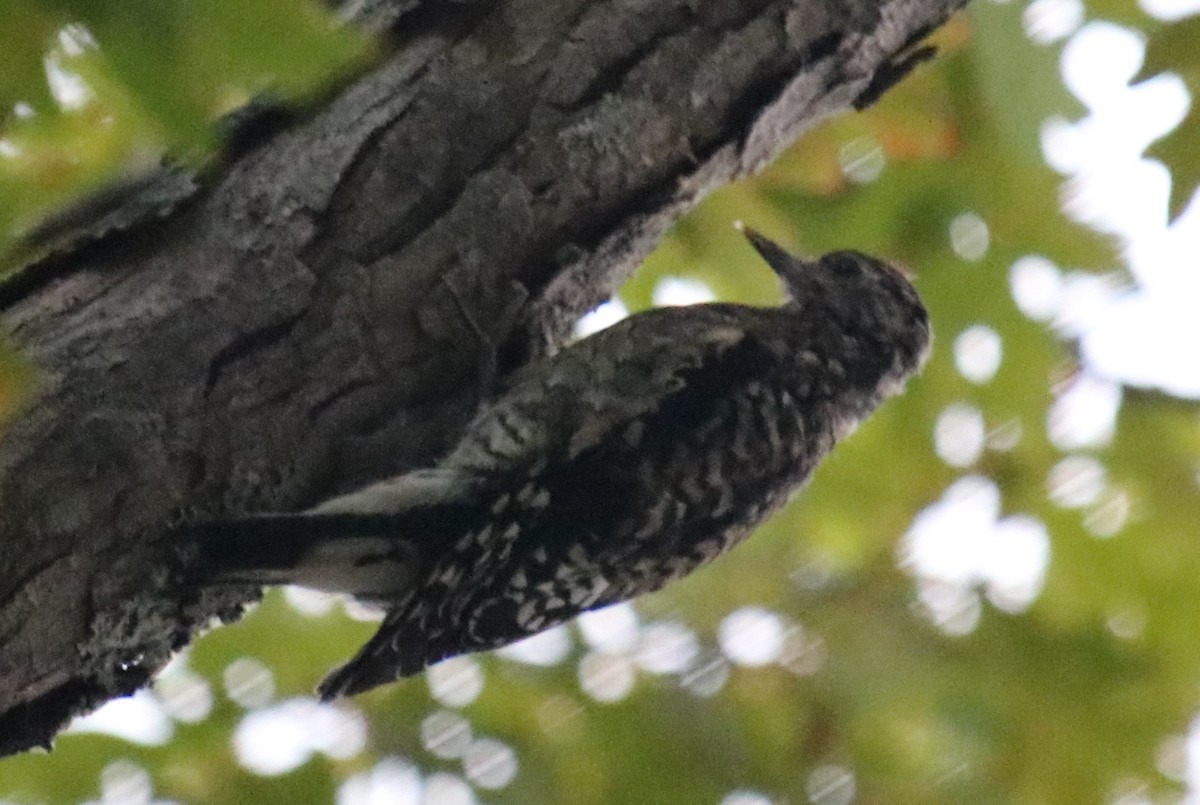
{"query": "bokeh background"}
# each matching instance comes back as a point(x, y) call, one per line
point(990, 594)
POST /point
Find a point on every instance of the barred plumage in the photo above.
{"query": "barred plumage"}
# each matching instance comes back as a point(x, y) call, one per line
point(623, 462)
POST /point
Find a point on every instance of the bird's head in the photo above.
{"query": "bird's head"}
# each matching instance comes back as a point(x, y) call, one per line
point(866, 298)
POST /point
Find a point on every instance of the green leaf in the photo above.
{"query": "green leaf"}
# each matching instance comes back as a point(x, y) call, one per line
point(1172, 49)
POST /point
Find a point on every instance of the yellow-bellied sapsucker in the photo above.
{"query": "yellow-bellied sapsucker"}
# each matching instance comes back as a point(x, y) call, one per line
point(623, 462)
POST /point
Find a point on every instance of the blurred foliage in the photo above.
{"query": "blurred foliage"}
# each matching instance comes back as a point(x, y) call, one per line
point(1084, 696)
point(93, 92)
point(1172, 49)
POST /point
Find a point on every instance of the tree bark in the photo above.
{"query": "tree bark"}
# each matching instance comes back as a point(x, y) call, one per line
point(331, 306)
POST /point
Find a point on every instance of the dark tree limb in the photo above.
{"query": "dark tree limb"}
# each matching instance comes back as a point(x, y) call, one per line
point(328, 309)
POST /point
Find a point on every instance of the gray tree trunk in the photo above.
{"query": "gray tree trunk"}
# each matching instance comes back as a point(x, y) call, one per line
point(329, 307)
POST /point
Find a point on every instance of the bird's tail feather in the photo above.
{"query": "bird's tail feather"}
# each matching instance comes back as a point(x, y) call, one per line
point(291, 548)
point(372, 555)
point(263, 541)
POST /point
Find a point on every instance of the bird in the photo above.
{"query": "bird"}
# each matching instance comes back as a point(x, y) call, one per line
point(604, 471)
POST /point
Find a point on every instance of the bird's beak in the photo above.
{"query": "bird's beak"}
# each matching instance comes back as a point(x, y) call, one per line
point(788, 267)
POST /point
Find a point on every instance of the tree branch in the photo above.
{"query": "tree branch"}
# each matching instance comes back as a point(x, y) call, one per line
point(329, 308)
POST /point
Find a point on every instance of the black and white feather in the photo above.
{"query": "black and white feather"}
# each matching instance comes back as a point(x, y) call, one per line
point(621, 463)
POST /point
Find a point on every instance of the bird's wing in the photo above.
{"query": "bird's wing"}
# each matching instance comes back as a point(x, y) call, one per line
point(608, 381)
point(377, 663)
point(552, 412)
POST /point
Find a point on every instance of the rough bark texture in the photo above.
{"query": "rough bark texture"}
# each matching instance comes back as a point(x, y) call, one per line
point(330, 307)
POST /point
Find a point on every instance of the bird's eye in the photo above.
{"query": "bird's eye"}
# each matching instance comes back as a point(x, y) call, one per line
point(845, 266)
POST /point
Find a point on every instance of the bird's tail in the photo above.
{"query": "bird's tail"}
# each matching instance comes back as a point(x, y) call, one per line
point(369, 555)
point(369, 543)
